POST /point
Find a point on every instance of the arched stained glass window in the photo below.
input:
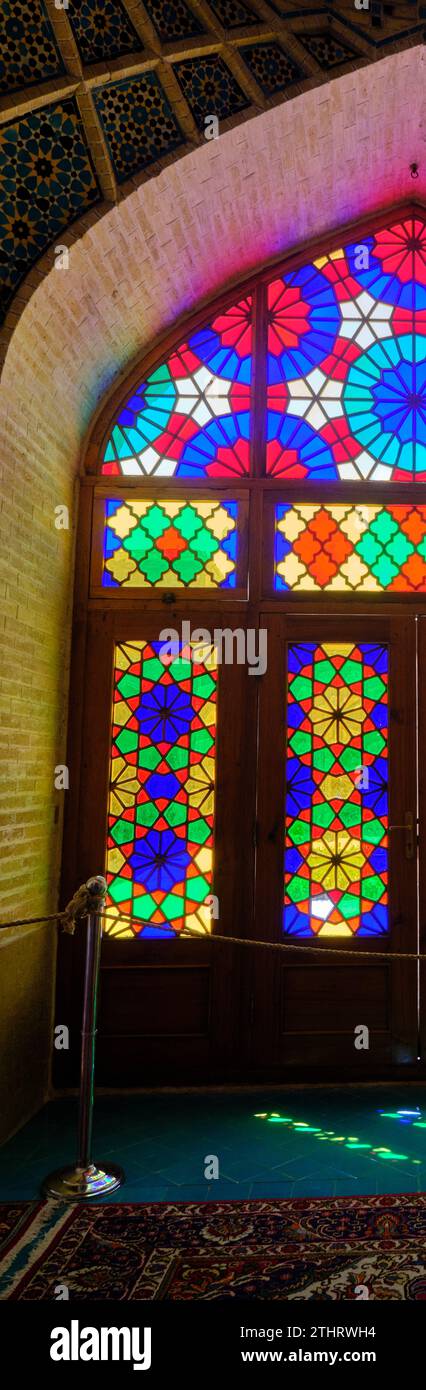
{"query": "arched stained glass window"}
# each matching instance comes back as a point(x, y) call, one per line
point(272, 453)
point(340, 359)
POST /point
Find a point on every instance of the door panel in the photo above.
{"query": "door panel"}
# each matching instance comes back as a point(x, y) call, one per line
point(168, 1007)
point(307, 1005)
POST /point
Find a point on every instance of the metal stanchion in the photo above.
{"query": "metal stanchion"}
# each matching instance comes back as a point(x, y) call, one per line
point(87, 1179)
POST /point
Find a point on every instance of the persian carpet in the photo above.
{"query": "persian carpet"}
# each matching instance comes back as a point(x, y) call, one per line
point(307, 1248)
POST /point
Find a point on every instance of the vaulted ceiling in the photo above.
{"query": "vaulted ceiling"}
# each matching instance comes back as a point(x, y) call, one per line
point(98, 96)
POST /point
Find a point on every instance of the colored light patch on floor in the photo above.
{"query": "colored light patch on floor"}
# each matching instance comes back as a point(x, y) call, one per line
point(350, 548)
point(191, 416)
point(162, 790)
point(302, 1127)
point(188, 543)
point(336, 856)
point(161, 1140)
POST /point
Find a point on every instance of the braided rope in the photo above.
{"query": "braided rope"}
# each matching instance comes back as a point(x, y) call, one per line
point(287, 945)
point(79, 907)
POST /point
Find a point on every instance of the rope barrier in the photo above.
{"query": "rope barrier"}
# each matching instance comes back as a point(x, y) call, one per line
point(79, 908)
point(85, 1179)
point(287, 945)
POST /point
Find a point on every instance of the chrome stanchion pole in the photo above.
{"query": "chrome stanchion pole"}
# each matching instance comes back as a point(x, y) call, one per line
point(87, 1179)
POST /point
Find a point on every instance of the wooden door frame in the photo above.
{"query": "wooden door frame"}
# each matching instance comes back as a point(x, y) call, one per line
point(217, 1049)
point(327, 620)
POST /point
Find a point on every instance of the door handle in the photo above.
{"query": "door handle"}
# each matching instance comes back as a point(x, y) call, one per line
point(408, 825)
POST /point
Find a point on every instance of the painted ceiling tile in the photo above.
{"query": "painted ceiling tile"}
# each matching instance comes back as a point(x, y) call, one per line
point(47, 180)
point(28, 49)
point(138, 123)
point(102, 29)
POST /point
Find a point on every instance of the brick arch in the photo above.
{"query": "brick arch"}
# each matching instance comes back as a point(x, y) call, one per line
point(294, 174)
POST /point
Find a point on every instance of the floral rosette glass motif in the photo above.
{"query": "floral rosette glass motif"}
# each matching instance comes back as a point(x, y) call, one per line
point(347, 362)
point(161, 800)
point(190, 418)
point(336, 855)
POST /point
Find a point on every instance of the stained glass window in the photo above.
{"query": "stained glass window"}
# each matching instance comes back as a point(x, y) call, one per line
point(161, 543)
point(161, 801)
point(347, 361)
point(362, 548)
point(336, 856)
point(191, 416)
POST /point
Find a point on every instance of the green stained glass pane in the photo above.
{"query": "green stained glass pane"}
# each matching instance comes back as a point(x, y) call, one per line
point(119, 890)
point(372, 888)
point(349, 906)
point(203, 686)
point(322, 759)
point(178, 757)
point(123, 832)
point(351, 672)
point(301, 689)
point(149, 757)
point(146, 814)
point(350, 814)
point(323, 672)
point(127, 741)
point(189, 522)
point(350, 758)
point(198, 889)
point(201, 741)
point(127, 687)
point(300, 833)
point(297, 889)
point(322, 814)
point(175, 814)
point(199, 831)
point(301, 743)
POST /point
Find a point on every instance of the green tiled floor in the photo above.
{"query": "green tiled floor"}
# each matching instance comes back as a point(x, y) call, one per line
point(294, 1143)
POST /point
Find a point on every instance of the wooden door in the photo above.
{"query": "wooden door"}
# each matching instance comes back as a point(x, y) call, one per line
point(169, 1007)
point(337, 723)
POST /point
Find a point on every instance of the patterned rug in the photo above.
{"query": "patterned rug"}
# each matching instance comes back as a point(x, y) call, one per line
point(309, 1248)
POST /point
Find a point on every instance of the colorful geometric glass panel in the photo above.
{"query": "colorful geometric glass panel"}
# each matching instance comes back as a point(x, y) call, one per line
point(161, 801)
point(336, 858)
point(180, 543)
point(347, 362)
point(191, 417)
point(350, 548)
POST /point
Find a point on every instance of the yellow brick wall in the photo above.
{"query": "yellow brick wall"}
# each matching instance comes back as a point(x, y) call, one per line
point(35, 610)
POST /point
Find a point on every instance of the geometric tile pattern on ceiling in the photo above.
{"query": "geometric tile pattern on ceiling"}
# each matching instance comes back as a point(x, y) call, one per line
point(273, 69)
point(28, 49)
point(328, 51)
point(210, 88)
point(232, 14)
point(46, 181)
point(173, 19)
point(102, 29)
point(140, 105)
point(147, 118)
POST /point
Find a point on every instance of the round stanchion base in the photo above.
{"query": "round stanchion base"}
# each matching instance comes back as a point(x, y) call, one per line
point(79, 1184)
